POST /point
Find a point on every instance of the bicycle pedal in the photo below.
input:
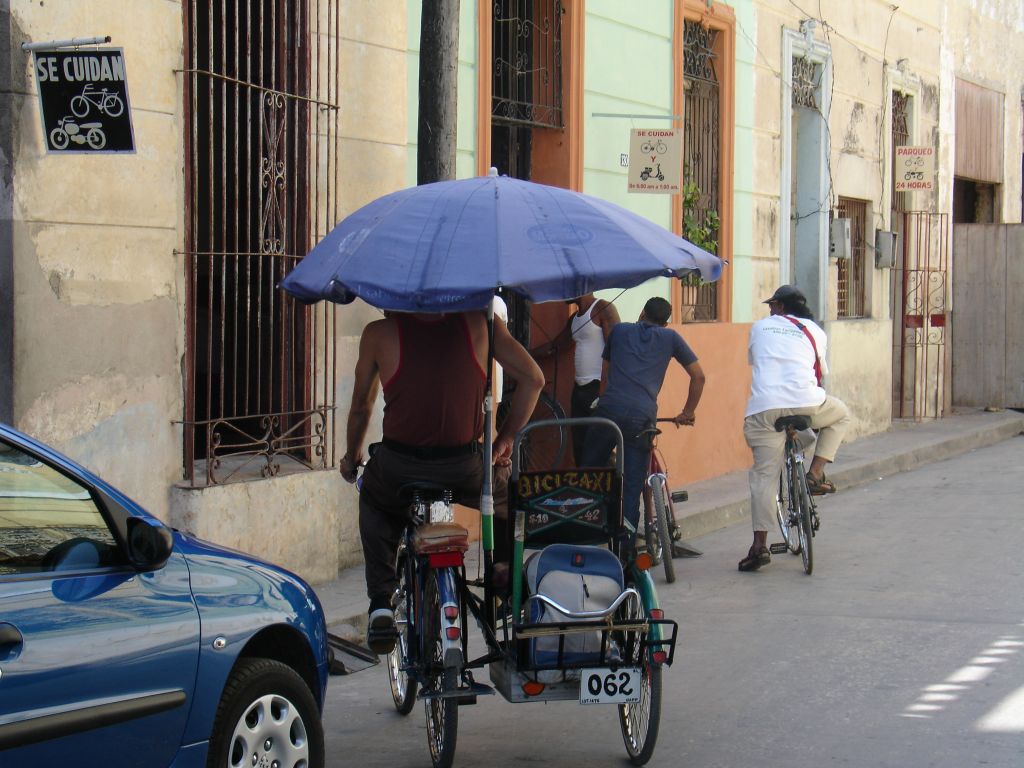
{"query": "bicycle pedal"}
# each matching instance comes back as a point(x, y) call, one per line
point(778, 548)
point(680, 496)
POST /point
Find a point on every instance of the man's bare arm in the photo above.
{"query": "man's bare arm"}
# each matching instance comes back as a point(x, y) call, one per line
point(364, 395)
point(687, 415)
point(606, 316)
point(529, 382)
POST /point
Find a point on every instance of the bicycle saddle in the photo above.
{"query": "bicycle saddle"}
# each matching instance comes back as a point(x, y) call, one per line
point(799, 423)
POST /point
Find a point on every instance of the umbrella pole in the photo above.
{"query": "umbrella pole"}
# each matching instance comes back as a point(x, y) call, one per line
point(487, 490)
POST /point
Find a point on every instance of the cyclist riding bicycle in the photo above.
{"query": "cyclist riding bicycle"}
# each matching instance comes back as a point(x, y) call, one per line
point(432, 368)
point(638, 355)
point(787, 354)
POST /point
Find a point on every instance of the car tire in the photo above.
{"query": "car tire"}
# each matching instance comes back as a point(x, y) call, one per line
point(267, 715)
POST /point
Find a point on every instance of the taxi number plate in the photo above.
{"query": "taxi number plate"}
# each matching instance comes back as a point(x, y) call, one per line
point(608, 686)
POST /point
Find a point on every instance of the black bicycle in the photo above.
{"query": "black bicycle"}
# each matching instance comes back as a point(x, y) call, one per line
point(542, 448)
point(794, 505)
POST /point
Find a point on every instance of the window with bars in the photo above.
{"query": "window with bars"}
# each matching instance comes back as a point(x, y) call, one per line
point(901, 103)
point(261, 119)
point(851, 297)
point(702, 135)
point(527, 65)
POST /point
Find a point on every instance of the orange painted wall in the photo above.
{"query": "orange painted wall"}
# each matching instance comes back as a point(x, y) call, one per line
point(715, 445)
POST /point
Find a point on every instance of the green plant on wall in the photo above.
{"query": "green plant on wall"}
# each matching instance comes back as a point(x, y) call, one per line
point(702, 232)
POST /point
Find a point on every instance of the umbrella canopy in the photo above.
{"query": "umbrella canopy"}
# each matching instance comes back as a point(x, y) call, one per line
point(446, 247)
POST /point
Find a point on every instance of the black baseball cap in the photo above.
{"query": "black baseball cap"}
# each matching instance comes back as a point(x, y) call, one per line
point(786, 293)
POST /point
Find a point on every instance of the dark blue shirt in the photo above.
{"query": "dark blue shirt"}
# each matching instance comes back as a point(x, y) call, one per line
point(638, 355)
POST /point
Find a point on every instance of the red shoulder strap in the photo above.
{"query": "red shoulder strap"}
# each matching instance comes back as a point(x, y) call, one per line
point(810, 338)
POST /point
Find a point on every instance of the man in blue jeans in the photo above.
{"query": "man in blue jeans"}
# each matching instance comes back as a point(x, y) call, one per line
point(638, 355)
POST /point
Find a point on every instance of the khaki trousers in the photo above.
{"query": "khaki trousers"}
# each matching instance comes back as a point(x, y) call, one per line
point(831, 418)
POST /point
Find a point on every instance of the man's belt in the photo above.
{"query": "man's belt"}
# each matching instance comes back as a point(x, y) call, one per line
point(432, 451)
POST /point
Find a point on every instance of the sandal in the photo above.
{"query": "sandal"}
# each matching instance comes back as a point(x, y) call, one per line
point(819, 487)
point(755, 559)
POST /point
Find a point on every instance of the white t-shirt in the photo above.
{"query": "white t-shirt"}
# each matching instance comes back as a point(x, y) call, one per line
point(783, 361)
point(589, 339)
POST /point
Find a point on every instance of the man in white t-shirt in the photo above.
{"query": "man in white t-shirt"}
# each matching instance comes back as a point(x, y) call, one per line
point(787, 353)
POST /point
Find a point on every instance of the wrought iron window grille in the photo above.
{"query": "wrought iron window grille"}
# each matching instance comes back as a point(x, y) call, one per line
point(527, 63)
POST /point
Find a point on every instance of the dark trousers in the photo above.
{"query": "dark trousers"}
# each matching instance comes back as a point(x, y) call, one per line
point(636, 460)
point(384, 513)
point(583, 396)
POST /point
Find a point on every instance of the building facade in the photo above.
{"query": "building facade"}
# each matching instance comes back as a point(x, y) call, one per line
point(141, 330)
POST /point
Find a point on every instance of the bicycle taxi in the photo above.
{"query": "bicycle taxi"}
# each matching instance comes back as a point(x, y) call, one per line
point(572, 623)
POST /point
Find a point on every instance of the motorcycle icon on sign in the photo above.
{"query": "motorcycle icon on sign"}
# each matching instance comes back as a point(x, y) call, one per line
point(106, 102)
point(647, 173)
point(69, 130)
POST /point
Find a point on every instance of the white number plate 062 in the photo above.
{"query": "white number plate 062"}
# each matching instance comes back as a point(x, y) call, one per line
point(607, 686)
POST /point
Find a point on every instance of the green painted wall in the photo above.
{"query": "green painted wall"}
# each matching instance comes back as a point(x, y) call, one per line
point(465, 162)
point(627, 70)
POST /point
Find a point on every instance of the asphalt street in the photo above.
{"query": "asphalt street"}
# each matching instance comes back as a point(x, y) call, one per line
point(905, 648)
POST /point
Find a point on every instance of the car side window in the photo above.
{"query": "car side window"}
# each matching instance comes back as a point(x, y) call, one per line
point(48, 522)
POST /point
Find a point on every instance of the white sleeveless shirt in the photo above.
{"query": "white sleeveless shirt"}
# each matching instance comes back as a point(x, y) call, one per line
point(589, 338)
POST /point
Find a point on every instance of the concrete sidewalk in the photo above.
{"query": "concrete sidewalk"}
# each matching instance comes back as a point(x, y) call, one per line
point(725, 500)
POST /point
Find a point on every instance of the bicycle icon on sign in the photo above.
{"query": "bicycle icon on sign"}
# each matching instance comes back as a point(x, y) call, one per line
point(649, 147)
point(106, 102)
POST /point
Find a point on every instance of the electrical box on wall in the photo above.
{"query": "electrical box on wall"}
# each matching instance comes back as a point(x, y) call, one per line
point(839, 239)
point(885, 249)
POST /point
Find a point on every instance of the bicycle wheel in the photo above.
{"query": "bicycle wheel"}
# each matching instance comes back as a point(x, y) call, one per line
point(802, 504)
point(640, 721)
point(661, 502)
point(403, 687)
point(79, 106)
point(544, 447)
point(784, 513)
point(442, 714)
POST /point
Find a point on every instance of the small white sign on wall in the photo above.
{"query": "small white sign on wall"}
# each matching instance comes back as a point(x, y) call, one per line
point(914, 169)
point(655, 160)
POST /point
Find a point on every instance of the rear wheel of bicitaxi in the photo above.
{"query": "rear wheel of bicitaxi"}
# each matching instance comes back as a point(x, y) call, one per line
point(640, 721)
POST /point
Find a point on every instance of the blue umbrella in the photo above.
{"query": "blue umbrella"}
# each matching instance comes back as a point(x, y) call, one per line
point(446, 247)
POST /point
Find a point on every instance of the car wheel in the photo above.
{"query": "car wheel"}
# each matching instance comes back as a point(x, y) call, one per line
point(267, 716)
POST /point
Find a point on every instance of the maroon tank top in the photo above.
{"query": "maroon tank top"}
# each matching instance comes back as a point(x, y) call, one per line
point(436, 395)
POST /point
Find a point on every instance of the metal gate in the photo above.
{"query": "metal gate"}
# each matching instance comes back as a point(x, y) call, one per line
point(920, 310)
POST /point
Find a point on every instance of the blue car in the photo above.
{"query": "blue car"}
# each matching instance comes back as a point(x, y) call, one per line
point(124, 643)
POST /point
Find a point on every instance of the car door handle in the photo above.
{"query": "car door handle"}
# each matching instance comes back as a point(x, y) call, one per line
point(9, 636)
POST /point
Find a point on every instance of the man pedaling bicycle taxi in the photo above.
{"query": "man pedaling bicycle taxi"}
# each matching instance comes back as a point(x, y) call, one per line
point(432, 371)
point(638, 355)
point(787, 353)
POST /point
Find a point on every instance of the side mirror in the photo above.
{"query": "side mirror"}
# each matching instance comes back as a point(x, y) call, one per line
point(149, 544)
